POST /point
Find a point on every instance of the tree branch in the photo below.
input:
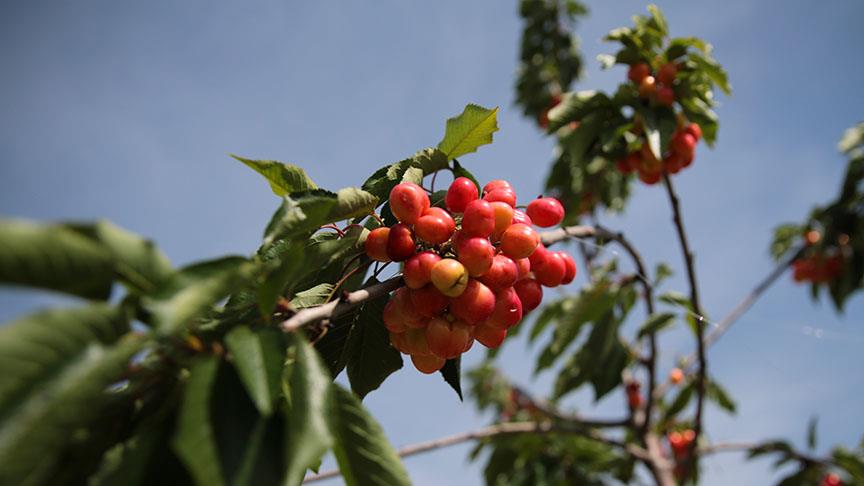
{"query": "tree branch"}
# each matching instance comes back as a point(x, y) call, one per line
point(508, 428)
point(697, 308)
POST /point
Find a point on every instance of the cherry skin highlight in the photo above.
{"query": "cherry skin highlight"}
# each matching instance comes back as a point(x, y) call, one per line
point(408, 201)
point(638, 72)
point(507, 196)
point(496, 184)
point(520, 217)
point(461, 192)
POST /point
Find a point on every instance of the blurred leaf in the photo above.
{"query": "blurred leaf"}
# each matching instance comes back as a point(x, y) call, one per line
point(681, 400)
point(126, 462)
point(676, 299)
point(551, 312)
point(317, 295)
point(713, 70)
point(786, 236)
point(469, 131)
point(720, 396)
point(364, 455)
point(451, 372)
point(194, 440)
point(661, 273)
point(370, 357)
point(811, 433)
point(283, 178)
point(258, 358)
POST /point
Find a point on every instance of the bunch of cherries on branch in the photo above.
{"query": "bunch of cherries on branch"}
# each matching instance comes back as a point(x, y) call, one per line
point(817, 264)
point(471, 269)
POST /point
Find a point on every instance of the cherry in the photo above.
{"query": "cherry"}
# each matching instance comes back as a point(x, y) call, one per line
point(551, 270)
point(398, 341)
point(521, 217)
point(673, 163)
point(538, 256)
point(461, 192)
point(647, 86)
point(530, 293)
point(683, 143)
point(676, 376)
point(410, 317)
point(447, 339)
point(665, 96)
point(523, 267)
point(650, 178)
point(502, 274)
point(477, 255)
point(435, 226)
point(400, 243)
point(427, 364)
point(545, 211)
point(519, 241)
point(416, 343)
point(489, 335)
point(508, 309)
point(408, 201)
point(503, 217)
point(427, 301)
point(479, 219)
point(450, 277)
point(695, 130)
point(638, 72)
point(667, 73)
point(417, 271)
point(475, 304)
point(504, 195)
point(392, 317)
point(831, 479)
point(496, 184)
point(569, 268)
point(376, 244)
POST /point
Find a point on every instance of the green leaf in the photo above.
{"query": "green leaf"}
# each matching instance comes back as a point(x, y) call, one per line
point(364, 455)
point(382, 181)
point(317, 295)
point(53, 257)
point(652, 132)
point(309, 435)
point(460, 171)
point(661, 273)
point(720, 396)
point(468, 131)
point(811, 433)
point(680, 402)
point(194, 290)
point(370, 357)
point(35, 433)
point(283, 178)
point(126, 462)
point(452, 374)
point(655, 323)
point(303, 213)
point(714, 71)
point(659, 19)
point(676, 299)
point(258, 358)
point(194, 440)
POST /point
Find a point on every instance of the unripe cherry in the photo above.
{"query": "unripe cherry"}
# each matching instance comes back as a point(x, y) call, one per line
point(523, 267)
point(520, 217)
point(476, 254)
point(569, 268)
point(496, 184)
point(447, 339)
point(427, 364)
point(638, 72)
point(376, 244)
point(427, 301)
point(502, 274)
point(530, 293)
point(489, 335)
point(461, 192)
point(408, 201)
point(551, 271)
point(392, 317)
point(435, 226)
point(503, 217)
point(503, 195)
point(400, 243)
point(665, 96)
point(508, 309)
point(417, 271)
point(450, 277)
point(519, 241)
point(667, 73)
point(479, 219)
point(545, 211)
point(475, 304)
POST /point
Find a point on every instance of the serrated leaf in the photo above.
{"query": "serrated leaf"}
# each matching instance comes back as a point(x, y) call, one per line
point(364, 455)
point(370, 357)
point(310, 391)
point(469, 131)
point(36, 431)
point(55, 258)
point(718, 395)
point(258, 358)
point(655, 323)
point(380, 183)
point(452, 374)
point(352, 202)
point(303, 213)
point(194, 440)
point(283, 178)
point(317, 295)
point(194, 290)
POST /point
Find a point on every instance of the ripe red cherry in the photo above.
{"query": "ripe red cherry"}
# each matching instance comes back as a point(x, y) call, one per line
point(427, 364)
point(530, 293)
point(665, 96)
point(461, 192)
point(477, 255)
point(519, 241)
point(400, 243)
point(398, 342)
point(523, 267)
point(479, 219)
point(695, 130)
point(502, 274)
point(638, 72)
point(503, 217)
point(408, 201)
point(409, 315)
point(569, 268)
point(416, 343)
point(545, 211)
point(475, 304)
point(503, 195)
point(683, 143)
point(508, 309)
point(650, 177)
point(496, 184)
point(539, 255)
point(392, 317)
point(427, 301)
point(417, 271)
point(667, 73)
point(489, 335)
point(376, 244)
point(435, 226)
point(550, 271)
point(831, 479)
point(446, 339)
point(673, 163)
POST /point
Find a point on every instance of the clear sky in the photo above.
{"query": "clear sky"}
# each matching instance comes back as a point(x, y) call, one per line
point(127, 110)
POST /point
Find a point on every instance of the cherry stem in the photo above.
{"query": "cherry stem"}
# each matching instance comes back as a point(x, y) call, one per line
point(334, 228)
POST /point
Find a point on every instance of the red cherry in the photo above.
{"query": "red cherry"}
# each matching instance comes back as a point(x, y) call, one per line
point(427, 301)
point(417, 271)
point(519, 241)
point(476, 254)
point(665, 96)
point(392, 317)
point(475, 304)
point(519, 217)
point(831, 479)
point(479, 219)
point(638, 72)
point(489, 336)
point(503, 195)
point(496, 184)
point(508, 309)
point(502, 274)
point(667, 73)
point(538, 256)
point(410, 317)
point(695, 130)
point(545, 211)
point(523, 267)
point(673, 163)
point(447, 339)
point(550, 272)
point(427, 364)
point(683, 143)
point(376, 244)
point(530, 293)
point(503, 217)
point(408, 201)
point(398, 342)
point(416, 343)
point(435, 226)
point(650, 178)
point(569, 268)
point(461, 192)
point(400, 243)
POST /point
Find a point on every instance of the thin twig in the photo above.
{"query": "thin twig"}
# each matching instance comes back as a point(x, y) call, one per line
point(332, 310)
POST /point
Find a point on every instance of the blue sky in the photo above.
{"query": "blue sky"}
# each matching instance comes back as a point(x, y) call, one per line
point(127, 111)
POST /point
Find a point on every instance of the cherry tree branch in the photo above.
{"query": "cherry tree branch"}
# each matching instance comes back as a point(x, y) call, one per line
point(702, 372)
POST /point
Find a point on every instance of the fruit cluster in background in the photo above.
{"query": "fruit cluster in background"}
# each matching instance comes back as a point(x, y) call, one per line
point(471, 271)
point(682, 150)
point(818, 266)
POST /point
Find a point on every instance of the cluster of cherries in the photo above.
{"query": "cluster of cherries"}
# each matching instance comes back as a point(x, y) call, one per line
point(471, 271)
point(634, 394)
point(679, 442)
point(655, 88)
point(817, 268)
point(682, 150)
